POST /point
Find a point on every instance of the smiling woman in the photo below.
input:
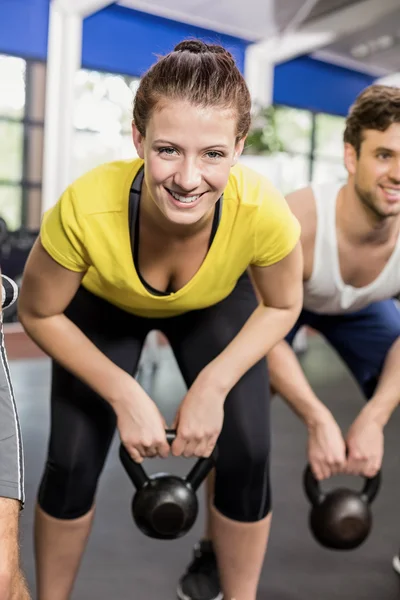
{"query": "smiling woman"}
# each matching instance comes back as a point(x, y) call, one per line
point(165, 242)
point(190, 150)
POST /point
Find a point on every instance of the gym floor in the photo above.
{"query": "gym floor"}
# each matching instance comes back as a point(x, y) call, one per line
point(121, 563)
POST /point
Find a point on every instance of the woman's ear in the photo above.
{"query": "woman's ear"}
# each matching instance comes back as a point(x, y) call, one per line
point(138, 140)
point(238, 151)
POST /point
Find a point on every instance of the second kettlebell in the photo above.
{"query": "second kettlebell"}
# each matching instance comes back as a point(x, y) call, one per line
point(165, 506)
point(340, 519)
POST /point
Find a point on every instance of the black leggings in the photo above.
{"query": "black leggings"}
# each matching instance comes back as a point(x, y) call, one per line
point(83, 424)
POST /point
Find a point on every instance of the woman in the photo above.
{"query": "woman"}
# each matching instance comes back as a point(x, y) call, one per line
point(163, 242)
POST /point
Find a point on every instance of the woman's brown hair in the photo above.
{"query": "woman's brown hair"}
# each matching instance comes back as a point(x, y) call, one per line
point(203, 74)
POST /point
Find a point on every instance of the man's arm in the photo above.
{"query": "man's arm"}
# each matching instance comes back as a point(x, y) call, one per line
point(286, 374)
point(288, 380)
point(326, 448)
point(365, 438)
point(387, 394)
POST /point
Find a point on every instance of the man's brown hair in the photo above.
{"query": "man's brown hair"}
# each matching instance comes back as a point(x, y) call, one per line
point(377, 107)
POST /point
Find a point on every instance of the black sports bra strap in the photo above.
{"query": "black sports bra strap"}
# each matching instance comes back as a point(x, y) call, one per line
point(134, 206)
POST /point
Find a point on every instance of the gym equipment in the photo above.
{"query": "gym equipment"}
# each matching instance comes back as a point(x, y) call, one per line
point(4, 233)
point(9, 291)
point(165, 506)
point(340, 519)
point(14, 250)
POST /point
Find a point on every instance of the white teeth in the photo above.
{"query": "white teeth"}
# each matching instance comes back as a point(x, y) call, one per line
point(392, 192)
point(184, 199)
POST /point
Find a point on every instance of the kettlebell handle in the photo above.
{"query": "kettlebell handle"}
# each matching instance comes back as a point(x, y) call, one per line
point(170, 434)
point(139, 477)
point(316, 496)
point(312, 487)
point(371, 488)
point(200, 469)
point(135, 471)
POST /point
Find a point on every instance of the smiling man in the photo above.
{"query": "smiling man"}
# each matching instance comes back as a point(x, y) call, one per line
point(351, 246)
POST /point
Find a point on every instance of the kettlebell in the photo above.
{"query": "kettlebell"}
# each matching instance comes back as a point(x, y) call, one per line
point(340, 519)
point(165, 506)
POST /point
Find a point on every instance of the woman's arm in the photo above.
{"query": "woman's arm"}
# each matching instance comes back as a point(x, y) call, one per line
point(280, 290)
point(47, 289)
point(200, 416)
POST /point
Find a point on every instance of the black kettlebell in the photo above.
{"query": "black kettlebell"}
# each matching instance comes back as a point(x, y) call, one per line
point(340, 519)
point(165, 506)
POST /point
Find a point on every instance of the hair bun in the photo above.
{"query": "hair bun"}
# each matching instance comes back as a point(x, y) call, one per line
point(194, 46)
point(199, 47)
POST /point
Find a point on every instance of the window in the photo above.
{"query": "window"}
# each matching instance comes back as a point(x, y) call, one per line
point(12, 97)
point(102, 119)
point(329, 136)
point(294, 129)
point(12, 141)
point(12, 113)
point(328, 152)
point(290, 130)
point(11, 205)
point(311, 148)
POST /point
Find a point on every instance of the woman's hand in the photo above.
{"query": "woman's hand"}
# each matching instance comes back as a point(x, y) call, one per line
point(199, 419)
point(140, 423)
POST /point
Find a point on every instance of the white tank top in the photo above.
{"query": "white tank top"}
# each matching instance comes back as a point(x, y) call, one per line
point(325, 292)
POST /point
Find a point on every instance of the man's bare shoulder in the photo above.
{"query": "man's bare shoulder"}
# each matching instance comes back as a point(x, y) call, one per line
point(301, 201)
point(302, 204)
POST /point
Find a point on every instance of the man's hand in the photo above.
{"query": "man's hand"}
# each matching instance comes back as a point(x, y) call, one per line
point(365, 443)
point(326, 447)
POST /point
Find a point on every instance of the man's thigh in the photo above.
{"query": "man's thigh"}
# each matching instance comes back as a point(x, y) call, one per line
point(9, 530)
point(11, 451)
point(363, 339)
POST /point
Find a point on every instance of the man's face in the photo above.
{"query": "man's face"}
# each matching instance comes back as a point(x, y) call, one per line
point(376, 170)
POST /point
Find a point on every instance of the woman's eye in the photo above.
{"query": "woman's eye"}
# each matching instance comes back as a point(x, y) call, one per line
point(168, 151)
point(214, 155)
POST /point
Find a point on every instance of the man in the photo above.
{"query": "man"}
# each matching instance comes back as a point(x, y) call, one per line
point(12, 583)
point(351, 247)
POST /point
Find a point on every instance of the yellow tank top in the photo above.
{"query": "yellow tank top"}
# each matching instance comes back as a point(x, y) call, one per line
point(88, 230)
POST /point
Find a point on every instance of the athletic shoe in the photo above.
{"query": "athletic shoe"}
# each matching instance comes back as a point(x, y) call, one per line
point(396, 563)
point(201, 580)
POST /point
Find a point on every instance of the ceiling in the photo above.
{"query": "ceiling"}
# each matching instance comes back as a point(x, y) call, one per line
point(361, 34)
point(376, 47)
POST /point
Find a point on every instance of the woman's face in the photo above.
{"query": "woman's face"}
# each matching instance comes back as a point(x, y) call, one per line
point(188, 152)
